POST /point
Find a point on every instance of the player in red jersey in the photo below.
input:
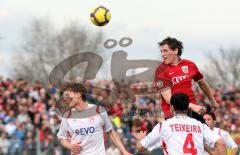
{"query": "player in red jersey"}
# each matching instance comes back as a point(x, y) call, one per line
point(176, 75)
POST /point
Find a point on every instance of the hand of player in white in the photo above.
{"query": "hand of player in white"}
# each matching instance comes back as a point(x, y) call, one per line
point(140, 135)
point(76, 148)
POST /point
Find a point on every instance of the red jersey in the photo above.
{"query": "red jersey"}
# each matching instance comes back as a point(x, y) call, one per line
point(180, 76)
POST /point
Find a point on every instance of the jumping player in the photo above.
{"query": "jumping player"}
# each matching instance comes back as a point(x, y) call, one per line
point(177, 74)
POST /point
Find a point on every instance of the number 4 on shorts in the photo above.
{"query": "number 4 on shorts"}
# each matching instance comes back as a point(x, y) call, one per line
point(189, 148)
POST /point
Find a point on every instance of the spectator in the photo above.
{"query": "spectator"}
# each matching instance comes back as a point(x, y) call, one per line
point(4, 143)
point(32, 106)
point(30, 144)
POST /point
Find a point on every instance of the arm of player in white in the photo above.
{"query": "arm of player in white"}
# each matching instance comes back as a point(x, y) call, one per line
point(117, 141)
point(227, 139)
point(63, 135)
point(113, 134)
point(155, 145)
point(150, 140)
point(107, 123)
point(214, 141)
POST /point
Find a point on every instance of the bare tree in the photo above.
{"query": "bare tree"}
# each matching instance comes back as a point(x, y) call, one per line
point(43, 46)
point(224, 68)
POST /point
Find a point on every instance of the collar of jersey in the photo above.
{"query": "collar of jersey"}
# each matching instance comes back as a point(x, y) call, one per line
point(177, 63)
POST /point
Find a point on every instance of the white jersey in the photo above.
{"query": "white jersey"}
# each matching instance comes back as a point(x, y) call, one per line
point(88, 131)
point(181, 135)
point(225, 136)
point(227, 139)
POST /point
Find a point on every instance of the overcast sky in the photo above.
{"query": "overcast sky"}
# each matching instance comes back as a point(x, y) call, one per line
point(202, 25)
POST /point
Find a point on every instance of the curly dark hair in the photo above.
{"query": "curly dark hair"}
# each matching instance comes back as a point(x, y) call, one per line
point(173, 44)
point(211, 114)
point(77, 88)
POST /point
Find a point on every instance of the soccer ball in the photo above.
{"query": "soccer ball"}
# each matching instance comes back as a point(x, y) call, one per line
point(100, 16)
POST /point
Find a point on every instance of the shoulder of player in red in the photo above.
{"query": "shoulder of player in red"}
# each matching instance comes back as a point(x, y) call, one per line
point(186, 61)
point(162, 75)
point(197, 74)
point(162, 79)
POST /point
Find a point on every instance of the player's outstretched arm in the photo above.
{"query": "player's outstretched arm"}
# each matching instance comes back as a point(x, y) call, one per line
point(148, 141)
point(206, 89)
point(75, 148)
point(117, 141)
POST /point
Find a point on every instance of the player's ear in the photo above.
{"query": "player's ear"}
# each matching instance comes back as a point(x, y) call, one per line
point(176, 51)
point(77, 95)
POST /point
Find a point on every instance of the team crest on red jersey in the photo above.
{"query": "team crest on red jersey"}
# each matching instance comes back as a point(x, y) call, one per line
point(185, 69)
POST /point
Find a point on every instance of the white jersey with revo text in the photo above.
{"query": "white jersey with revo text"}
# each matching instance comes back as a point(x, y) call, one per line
point(181, 135)
point(88, 131)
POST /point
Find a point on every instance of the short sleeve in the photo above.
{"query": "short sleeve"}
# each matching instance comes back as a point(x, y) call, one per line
point(209, 136)
point(152, 138)
point(63, 133)
point(198, 75)
point(228, 140)
point(107, 122)
point(162, 78)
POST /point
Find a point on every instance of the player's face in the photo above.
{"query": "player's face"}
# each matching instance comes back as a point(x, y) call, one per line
point(72, 97)
point(169, 56)
point(209, 120)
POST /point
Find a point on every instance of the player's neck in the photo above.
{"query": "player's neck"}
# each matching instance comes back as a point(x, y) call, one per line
point(180, 114)
point(81, 106)
point(176, 61)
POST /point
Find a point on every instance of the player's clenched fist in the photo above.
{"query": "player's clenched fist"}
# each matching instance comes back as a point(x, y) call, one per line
point(214, 104)
point(76, 148)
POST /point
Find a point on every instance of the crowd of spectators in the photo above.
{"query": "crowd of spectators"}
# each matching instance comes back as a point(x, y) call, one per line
point(29, 124)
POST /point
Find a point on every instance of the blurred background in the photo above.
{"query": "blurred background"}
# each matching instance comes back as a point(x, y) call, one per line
point(36, 35)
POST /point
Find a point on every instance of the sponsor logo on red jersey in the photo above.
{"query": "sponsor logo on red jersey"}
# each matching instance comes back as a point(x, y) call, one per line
point(178, 79)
